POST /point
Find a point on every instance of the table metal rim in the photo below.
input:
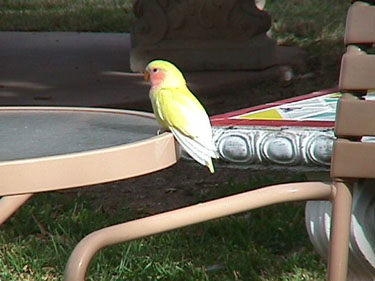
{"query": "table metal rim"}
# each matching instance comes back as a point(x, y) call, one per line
point(90, 167)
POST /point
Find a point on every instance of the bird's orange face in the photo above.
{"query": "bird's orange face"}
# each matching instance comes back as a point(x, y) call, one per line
point(154, 75)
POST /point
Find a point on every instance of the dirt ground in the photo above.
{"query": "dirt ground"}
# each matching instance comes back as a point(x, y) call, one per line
point(183, 184)
point(180, 185)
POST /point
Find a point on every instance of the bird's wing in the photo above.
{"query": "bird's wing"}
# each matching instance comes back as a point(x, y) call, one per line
point(157, 111)
point(181, 110)
point(197, 151)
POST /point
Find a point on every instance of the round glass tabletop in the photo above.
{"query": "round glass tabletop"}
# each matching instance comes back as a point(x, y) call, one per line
point(38, 132)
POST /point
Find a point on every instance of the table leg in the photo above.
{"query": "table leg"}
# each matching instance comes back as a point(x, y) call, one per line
point(339, 246)
point(10, 204)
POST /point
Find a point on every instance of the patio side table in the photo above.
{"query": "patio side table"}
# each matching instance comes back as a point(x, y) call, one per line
point(53, 148)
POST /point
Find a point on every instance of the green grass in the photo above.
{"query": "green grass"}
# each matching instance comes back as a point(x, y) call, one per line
point(303, 22)
point(266, 244)
point(316, 26)
point(65, 15)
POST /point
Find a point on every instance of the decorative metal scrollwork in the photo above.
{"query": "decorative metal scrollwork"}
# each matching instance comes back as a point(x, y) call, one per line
point(306, 149)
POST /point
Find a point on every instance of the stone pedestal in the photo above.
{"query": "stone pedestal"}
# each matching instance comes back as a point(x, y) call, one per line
point(206, 35)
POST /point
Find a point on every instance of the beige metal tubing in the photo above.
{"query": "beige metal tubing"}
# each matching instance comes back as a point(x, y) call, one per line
point(339, 246)
point(10, 204)
point(86, 249)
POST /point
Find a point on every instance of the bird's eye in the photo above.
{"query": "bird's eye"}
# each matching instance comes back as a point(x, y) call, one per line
point(155, 70)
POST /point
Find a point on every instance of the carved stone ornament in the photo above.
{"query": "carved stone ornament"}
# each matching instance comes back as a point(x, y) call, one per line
point(224, 20)
point(203, 35)
point(263, 148)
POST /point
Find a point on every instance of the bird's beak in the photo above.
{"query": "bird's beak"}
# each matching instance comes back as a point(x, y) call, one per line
point(146, 75)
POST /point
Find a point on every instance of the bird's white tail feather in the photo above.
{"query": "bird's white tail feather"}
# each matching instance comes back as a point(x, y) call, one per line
point(186, 145)
point(197, 151)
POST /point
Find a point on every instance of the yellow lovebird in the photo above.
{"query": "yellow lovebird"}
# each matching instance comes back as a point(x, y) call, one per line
point(179, 111)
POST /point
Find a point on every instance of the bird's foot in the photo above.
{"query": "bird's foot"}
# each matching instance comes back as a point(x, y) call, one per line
point(160, 131)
